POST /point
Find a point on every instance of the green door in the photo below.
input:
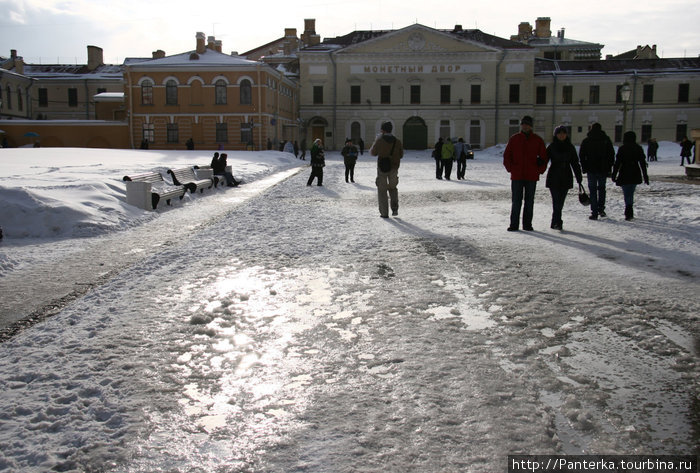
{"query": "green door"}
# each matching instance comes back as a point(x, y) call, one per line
point(415, 134)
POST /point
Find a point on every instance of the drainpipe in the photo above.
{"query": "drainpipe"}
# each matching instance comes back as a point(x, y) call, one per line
point(554, 97)
point(29, 99)
point(498, 83)
point(87, 100)
point(634, 97)
point(335, 94)
point(260, 107)
point(130, 110)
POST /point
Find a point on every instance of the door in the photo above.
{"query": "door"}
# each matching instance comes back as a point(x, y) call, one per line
point(415, 134)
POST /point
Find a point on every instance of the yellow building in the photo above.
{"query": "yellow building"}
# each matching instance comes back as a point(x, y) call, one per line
point(214, 99)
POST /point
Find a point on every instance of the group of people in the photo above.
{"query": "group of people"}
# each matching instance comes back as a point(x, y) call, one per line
point(445, 153)
point(218, 166)
point(526, 158)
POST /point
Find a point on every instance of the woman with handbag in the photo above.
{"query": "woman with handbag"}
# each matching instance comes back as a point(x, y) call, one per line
point(560, 177)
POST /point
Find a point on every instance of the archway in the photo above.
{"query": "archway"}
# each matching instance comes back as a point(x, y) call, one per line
point(318, 129)
point(415, 134)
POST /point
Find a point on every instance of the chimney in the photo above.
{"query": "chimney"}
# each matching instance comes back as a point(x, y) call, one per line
point(218, 44)
point(524, 31)
point(561, 33)
point(160, 54)
point(542, 27)
point(200, 43)
point(458, 28)
point(13, 53)
point(310, 38)
point(19, 65)
point(95, 57)
point(210, 42)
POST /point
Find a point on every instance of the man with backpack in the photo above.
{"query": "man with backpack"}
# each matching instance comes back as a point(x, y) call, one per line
point(597, 157)
point(389, 152)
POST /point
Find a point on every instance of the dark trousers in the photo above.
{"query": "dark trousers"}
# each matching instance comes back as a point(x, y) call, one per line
point(447, 167)
point(350, 172)
point(520, 189)
point(461, 168)
point(558, 198)
point(316, 172)
point(438, 168)
point(596, 189)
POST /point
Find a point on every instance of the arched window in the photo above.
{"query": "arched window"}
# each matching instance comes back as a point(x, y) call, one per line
point(246, 92)
point(171, 92)
point(220, 88)
point(147, 92)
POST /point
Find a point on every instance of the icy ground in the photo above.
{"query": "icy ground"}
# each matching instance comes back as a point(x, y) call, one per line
point(292, 329)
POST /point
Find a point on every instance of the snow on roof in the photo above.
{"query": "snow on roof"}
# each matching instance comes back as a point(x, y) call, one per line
point(193, 59)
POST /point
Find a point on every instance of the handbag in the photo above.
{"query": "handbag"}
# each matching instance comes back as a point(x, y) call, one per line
point(582, 196)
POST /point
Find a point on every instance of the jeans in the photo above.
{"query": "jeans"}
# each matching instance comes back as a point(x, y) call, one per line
point(518, 189)
point(596, 189)
point(628, 193)
point(558, 198)
point(447, 168)
point(461, 168)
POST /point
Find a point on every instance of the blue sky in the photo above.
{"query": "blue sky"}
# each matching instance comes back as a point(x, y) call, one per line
point(50, 31)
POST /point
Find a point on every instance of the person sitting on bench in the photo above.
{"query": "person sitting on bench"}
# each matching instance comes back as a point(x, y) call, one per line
point(218, 166)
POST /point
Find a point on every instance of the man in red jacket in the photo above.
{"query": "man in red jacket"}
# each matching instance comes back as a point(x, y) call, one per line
point(525, 158)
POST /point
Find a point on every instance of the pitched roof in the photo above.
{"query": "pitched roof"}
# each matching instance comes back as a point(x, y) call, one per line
point(543, 66)
point(193, 59)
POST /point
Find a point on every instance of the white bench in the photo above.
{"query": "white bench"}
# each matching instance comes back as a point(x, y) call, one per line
point(146, 190)
point(186, 177)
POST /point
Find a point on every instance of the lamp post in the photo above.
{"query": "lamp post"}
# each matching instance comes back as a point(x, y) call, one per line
point(625, 93)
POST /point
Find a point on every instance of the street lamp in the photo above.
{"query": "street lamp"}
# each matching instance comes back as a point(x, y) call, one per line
point(625, 93)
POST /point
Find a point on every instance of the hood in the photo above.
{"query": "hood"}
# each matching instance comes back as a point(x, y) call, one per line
point(629, 137)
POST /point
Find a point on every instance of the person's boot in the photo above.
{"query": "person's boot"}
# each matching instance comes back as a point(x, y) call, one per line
point(629, 213)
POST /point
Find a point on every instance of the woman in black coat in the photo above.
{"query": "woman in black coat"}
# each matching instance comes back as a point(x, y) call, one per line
point(560, 177)
point(629, 170)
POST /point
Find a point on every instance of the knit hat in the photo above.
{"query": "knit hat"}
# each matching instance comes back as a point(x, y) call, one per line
point(387, 127)
point(527, 120)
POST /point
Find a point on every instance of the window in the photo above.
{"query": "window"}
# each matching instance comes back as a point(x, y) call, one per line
point(43, 97)
point(594, 94)
point(9, 98)
point(149, 133)
point(445, 129)
point(552, 55)
point(318, 94)
point(220, 92)
point(101, 90)
point(415, 94)
point(173, 133)
point(513, 126)
point(476, 93)
point(171, 92)
point(514, 93)
point(72, 97)
point(541, 95)
point(147, 92)
point(20, 104)
point(221, 133)
point(445, 92)
point(648, 93)
point(355, 96)
point(246, 93)
point(646, 133)
point(385, 94)
point(618, 95)
point(246, 133)
point(475, 133)
point(681, 131)
point(618, 133)
point(683, 93)
point(567, 94)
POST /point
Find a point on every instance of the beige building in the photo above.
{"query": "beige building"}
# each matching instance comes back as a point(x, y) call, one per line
point(429, 83)
point(217, 100)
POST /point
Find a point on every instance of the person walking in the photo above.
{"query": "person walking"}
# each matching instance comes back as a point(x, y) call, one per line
point(525, 158)
point(190, 144)
point(461, 155)
point(597, 156)
point(560, 178)
point(389, 152)
point(362, 146)
point(318, 162)
point(303, 149)
point(687, 150)
point(437, 156)
point(349, 153)
point(447, 155)
point(652, 148)
point(629, 170)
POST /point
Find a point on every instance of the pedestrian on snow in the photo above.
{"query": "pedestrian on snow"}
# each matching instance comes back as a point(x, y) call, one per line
point(525, 158)
point(687, 150)
point(303, 149)
point(218, 166)
point(318, 162)
point(389, 152)
point(629, 170)
point(144, 143)
point(289, 147)
point(349, 153)
point(447, 155)
point(652, 148)
point(269, 144)
point(362, 146)
point(597, 156)
point(560, 178)
point(461, 155)
point(190, 144)
point(437, 155)
point(296, 149)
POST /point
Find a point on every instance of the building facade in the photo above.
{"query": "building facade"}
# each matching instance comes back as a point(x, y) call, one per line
point(215, 99)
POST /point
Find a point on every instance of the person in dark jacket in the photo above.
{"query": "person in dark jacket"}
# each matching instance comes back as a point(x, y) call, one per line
point(218, 166)
point(349, 153)
point(318, 162)
point(686, 150)
point(525, 158)
point(190, 144)
point(629, 170)
point(437, 155)
point(597, 156)
point(560, 178)
point(652, 148)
